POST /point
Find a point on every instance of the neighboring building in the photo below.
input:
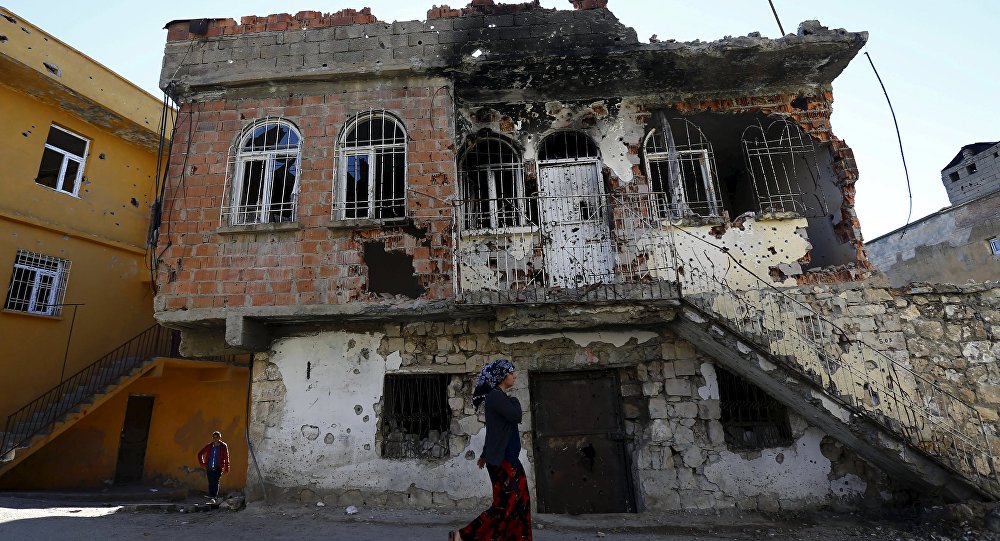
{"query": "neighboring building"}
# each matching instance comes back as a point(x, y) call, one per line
point(956, 244)
point(79, 161)
point(662, 236)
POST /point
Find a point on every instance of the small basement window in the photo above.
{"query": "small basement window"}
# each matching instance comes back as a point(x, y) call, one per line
point(953, 176)
point(971, 168)
point(751, 418)
point(995, 245)
point(416, 416)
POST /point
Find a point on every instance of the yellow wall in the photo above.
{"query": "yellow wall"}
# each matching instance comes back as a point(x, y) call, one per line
point(101, 232)
point(191, 400)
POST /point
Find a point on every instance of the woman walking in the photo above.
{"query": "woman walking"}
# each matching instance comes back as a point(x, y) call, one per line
point(509, 518)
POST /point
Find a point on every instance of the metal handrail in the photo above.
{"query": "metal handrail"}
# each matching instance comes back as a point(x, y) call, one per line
point(852, 373)
point(34, 418)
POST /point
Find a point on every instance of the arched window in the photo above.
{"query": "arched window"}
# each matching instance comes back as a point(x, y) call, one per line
point(781, 159)
point(265, 176)
point(372, 168)
point(681, 168)
point(567, 145)
point(493, 185)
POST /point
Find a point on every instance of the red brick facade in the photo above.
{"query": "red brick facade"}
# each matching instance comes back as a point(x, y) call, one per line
point(318, 262)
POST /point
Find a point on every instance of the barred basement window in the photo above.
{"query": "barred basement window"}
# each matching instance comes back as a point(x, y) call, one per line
point(372, 169)
point(493, 184)
point(751, 419)
point(265, 175)
point(38, 284)
point(416, 416)
point(62, 161)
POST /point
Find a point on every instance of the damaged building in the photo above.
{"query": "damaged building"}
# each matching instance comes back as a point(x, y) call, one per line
point(662, 236)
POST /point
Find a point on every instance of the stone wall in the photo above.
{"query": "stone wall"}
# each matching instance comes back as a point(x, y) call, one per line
point(317, 402)
point(950, 246)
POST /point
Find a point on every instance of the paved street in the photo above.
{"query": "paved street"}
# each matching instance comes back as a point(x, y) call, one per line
point(38, 520)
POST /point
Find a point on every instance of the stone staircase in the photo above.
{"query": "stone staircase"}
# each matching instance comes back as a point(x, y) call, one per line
point(875, 404)
point(38, 422)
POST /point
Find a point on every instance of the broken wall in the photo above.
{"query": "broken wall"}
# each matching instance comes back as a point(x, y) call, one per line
point(317, 422)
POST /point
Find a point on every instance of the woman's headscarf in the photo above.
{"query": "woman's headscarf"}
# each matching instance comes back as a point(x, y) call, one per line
point(489, 377)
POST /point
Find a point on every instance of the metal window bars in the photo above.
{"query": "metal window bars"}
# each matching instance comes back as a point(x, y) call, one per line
point(264, 169)
point(37, 284)
point(751, 419)
point(492, 182)
point(778, 161)
point(371, 178)
point(680, 164)
point(416, 416)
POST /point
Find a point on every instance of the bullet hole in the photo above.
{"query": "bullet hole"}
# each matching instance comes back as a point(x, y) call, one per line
point(134, 202)
point(53, 69)
point(328, 439)
point(118, 224)
point(351, 343)
point(358, 409)
point(780, 458)
point(368, 447)
point(324, 65)
point(26, 133)
point(365, 419)
point(310, 432)
point(101, 156)
point(365, 354)
point(10, 19)
point(800, 103)
point(3, 39)
point(772, 250)
point(172, 276)
point(348, 430)
point(357, 371)
point(309, 369)
point(470, 455)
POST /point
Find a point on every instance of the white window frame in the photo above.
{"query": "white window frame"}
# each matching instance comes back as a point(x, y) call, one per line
point(50, 306)
point(995, 245)
point(67, 156)
point(675, 187)
point(492, 171)
point(236, 211)
point(369, 151)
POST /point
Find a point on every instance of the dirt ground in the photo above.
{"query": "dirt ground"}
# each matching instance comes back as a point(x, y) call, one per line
point(40, 519)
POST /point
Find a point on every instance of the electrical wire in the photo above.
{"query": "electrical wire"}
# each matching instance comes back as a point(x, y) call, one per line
point(899, 137)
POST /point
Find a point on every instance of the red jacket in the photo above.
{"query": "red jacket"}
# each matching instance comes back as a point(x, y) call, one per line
point(206, 452)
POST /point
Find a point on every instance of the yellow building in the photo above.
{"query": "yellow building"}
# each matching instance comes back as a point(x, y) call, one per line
point(78, 157)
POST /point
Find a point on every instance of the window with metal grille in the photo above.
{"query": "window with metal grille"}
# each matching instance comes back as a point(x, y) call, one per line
point(62, 161)
point(265, 174)
point(995, 245)
point(780, 158)
point(416, 416)
point(567, 145)
point(681, 168)
point(751, 419)
point(372, 169)
point(493, 184)
point(38, 284)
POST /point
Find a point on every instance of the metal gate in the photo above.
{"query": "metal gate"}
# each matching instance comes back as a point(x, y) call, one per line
point(579, 444)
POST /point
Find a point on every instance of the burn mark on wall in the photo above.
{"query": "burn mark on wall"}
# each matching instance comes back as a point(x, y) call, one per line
point(390, 272)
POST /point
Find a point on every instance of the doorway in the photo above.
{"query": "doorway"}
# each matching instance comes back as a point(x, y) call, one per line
point(134, 436)
point(574, 222)
point(579, 444)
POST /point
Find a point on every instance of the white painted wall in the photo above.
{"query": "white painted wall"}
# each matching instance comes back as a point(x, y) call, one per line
point(299, 450)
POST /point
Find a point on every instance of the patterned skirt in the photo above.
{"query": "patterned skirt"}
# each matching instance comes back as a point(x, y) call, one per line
point(509, 518)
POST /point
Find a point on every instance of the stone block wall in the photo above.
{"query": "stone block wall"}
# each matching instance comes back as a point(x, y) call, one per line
point(317, 413)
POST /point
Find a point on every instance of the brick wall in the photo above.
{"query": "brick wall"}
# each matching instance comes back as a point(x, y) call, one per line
point(203, 267)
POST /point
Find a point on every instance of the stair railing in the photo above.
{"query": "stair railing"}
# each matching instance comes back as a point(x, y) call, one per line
point(34, 418)
point(865, 380)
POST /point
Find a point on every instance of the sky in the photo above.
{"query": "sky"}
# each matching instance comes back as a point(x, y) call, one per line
point(937, 61)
